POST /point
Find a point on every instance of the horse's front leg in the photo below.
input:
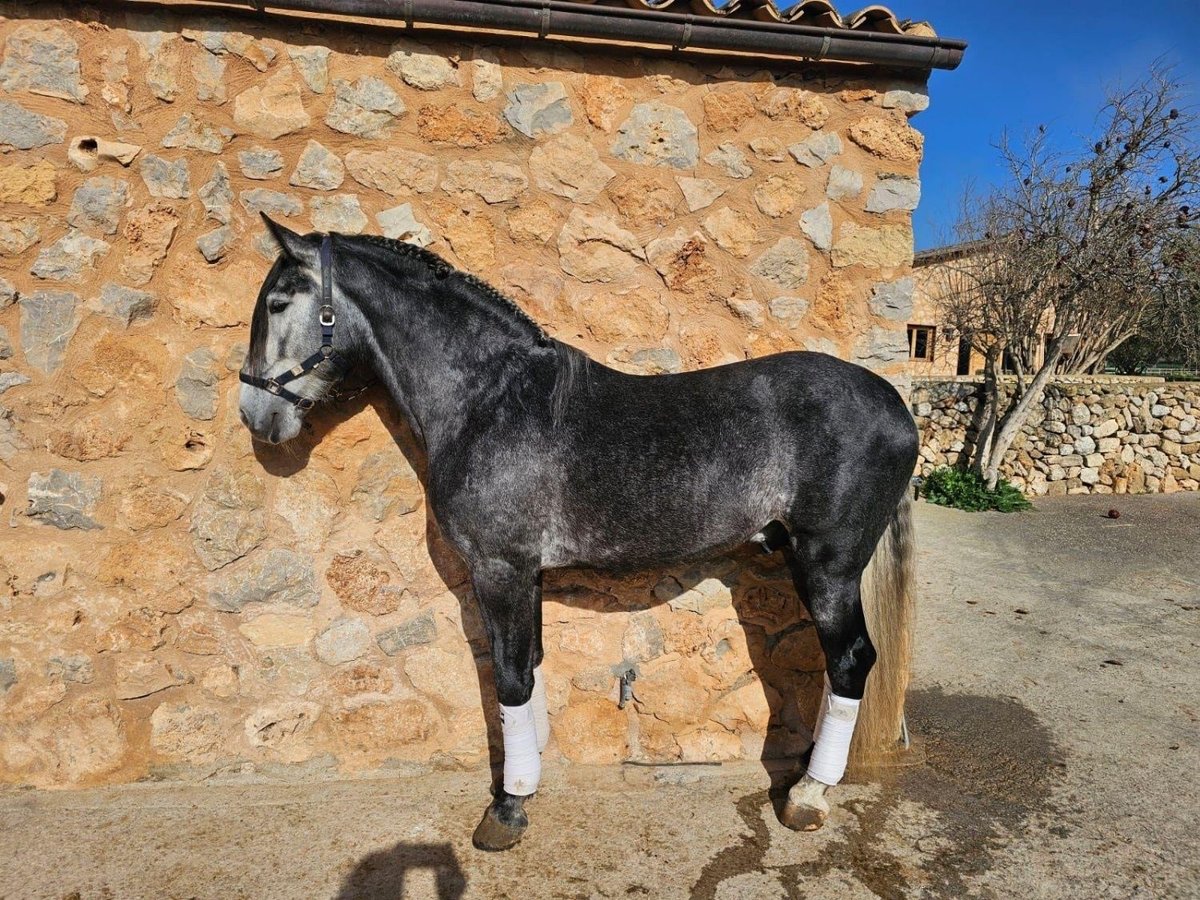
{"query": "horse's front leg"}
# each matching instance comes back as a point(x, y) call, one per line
point(509, 597)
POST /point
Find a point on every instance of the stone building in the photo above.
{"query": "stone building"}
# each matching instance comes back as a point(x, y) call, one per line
point(934, 349)
point(176, 602)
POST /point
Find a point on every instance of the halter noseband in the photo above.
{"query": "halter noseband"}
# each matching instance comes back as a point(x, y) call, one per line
point(275, 384)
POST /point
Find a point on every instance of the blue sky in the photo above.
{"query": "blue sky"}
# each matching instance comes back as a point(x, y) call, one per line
point(1031, 62)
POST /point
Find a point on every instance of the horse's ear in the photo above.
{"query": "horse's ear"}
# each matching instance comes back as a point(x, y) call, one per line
point(290, 242)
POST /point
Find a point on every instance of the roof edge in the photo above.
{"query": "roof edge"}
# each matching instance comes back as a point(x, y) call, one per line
point(621, 25)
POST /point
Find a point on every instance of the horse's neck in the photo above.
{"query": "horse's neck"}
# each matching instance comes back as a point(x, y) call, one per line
point(439, 358)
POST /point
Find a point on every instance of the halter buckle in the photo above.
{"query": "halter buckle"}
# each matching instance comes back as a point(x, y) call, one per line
point(305, 403)
point(274, 386)
point(326, 316)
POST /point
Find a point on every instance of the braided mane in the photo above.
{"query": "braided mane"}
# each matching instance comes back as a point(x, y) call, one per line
point(433, 260)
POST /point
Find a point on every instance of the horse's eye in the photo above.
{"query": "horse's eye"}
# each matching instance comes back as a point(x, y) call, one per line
point(278, 306)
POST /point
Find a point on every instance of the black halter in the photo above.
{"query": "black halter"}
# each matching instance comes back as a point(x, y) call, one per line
point(324, 354)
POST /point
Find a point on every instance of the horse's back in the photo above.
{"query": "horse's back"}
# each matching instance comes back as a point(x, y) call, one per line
point(684, 463)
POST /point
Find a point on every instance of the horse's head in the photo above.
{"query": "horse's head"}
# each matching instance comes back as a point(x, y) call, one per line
point(290, 364)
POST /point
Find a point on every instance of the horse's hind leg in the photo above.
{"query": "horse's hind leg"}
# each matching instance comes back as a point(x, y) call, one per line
point(509, 597)
point(827, 570)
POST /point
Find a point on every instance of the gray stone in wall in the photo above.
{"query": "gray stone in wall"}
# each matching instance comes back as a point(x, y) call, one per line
point(343, 641)
point(6, 347)
point(785, 264)
point(280, 577)
point(259, 163)
point(789, 311)
point(21, 129)
point(698, 193)
point(340, 213)
point(843, 183)
point(12, 441)
point(164, 178)
point(366, 108)
point(213, 245)
point(11, 380)
point(488, 77)
point(656, 134)
point(273, 203)
point(236, 357)
point(386, 484)
point(76, 669)
point(217, 196)
point(17, 235)
point(881, 346)
point(730, 160)
point(161, 69)
point(68, 257)
point(8, 674)
point(893, 299)
point(192, 134)
point(421, 66)
point(65, 500)
point(258, 53)
point(893, 192)
point(657, 359)
point(399, 224)
point(911, 101)
point(208, 72)
point(542, 108)
point(196, 385)
point(42, 60)
point(125, 304)
point(817, 224)
point(313, 65)
point(816, 150)
point(318, 168)
point(8, 293)
point(265, 246)
point(227, 521)
point(419, 630)
point(97, 204)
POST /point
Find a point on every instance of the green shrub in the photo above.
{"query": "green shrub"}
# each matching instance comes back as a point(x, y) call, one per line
point(966, 490)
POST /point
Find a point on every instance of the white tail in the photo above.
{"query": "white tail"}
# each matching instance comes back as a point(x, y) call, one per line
point(889, 606)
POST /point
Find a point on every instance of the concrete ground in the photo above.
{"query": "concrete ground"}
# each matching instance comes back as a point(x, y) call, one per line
point(1056, 703)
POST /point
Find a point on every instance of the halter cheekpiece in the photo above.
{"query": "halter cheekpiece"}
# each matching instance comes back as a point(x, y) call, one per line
point(275, 384)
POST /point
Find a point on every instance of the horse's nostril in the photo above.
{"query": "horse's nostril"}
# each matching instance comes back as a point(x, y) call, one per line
point(245, 418)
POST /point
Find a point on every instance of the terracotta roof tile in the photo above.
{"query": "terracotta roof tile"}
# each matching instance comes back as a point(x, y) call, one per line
point(817, 13)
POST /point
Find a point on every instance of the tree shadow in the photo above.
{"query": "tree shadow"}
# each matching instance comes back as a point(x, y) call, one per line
point(381, 875)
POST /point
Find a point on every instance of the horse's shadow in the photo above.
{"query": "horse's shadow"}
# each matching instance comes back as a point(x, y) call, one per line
point(764, 600)
point(382, 875)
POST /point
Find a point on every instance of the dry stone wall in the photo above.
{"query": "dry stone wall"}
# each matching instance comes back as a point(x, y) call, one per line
point(175, 602)
point(1086, 436)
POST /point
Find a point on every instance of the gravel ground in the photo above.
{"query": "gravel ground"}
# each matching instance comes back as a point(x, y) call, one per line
point(1055, 708)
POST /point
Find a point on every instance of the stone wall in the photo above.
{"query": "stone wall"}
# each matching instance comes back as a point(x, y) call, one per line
point(1086, 436)
point(175, 602)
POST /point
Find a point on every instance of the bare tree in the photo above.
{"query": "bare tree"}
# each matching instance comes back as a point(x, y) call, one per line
point(1169, 332)
point(1070, 251)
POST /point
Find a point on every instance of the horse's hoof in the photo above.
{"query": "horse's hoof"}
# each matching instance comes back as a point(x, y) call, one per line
point(495, 834)
point(806, 808)
point(802, 818)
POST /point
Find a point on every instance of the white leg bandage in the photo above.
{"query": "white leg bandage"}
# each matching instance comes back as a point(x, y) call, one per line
point(541, 717)
point(522, 762)
point(831, 739)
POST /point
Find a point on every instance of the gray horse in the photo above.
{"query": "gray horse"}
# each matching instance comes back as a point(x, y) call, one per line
point(541, 458)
